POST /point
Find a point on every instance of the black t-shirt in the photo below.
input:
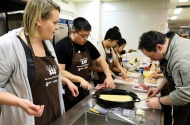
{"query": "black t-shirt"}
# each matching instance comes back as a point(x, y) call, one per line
point(30, 61)
point(64, 51)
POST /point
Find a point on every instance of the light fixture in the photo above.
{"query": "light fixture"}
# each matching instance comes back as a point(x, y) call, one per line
point(178, 10)
point(173, 17)
point(183, 0)
point(184, 26)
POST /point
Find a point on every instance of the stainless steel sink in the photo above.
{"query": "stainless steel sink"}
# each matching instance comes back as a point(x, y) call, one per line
point(88, 118)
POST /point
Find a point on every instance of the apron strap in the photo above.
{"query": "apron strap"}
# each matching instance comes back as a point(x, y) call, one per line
point(31, 49)
point(74, 48)
point(105, 49)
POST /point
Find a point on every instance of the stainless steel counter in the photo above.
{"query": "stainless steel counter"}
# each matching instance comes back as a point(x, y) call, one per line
point(152, 116)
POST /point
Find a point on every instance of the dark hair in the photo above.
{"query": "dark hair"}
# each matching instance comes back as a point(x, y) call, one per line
point(122, 52)
point(121, 42)
point(170, 34)
point(150, 39)
point(117, 28)
point(81, 23)
point(112, 34)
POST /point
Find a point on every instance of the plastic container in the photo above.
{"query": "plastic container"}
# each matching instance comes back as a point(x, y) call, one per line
point(146, 74)
point(125, 62)
point(153, 67)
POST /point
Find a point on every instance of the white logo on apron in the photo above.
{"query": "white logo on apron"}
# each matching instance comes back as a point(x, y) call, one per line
point(84, 64)
point(51, 69)
point(83, 61)
point(110, 60)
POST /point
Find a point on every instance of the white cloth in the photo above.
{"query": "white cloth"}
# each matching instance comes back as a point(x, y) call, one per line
point(102, 51)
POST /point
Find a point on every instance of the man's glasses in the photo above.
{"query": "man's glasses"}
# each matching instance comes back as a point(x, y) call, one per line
point(83, 36)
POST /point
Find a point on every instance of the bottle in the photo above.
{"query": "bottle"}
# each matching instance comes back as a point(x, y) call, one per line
point(125, 62)
point(153, 67)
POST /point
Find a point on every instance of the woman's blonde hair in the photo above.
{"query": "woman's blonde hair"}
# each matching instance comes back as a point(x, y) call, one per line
point(37, 10)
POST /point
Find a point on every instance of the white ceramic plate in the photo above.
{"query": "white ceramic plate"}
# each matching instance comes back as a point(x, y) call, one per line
point(120, 81)
point(133, 74)
point(133, 87)
point(154, 85)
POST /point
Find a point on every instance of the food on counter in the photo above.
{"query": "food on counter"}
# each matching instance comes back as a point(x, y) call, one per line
point(146, 68)
point(147, 74)
point(128, 80)
point(151, 80)
point(131, 50)
point(140, 111)
point(101, 86)
point(116, 98)
point(141, 86)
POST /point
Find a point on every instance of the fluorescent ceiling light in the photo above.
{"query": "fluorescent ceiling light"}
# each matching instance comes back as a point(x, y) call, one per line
point(173, 17)
point(178, 10)
point(183, 0)
point(184, 26)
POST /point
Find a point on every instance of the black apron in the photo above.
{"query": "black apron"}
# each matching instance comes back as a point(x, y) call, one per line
point(44, 87)
point(181, 114)
point(79, 67)
point(109, 60)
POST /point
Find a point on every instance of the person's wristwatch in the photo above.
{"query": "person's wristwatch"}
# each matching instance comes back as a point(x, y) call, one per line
point(159, 100)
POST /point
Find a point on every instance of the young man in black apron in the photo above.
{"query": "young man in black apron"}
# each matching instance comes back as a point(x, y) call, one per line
point(105, 48)
point(174, 51)
point(75, 55)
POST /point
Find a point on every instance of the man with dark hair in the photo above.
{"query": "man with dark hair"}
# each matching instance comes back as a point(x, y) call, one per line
point(105, 48)
point(174, 52)
point(75, 54)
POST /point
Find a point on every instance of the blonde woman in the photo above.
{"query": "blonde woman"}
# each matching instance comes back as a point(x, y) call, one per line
point(30, 84)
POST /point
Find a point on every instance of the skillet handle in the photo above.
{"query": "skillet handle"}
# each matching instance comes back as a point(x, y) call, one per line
point(95, 96)
point(137, 100)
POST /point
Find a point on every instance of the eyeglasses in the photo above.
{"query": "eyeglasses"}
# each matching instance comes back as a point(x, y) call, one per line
point(83, 36)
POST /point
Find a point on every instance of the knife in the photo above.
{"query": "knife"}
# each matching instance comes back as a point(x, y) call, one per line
point(146, 98)
point(124, 118)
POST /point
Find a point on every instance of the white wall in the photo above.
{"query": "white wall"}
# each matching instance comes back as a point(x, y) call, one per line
point(68, 10)
point(91, 12)
point(134, 18)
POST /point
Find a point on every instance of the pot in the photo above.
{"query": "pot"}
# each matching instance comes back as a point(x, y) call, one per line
point(112, 104)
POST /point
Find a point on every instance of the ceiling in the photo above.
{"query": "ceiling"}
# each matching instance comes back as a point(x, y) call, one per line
point(182, 20)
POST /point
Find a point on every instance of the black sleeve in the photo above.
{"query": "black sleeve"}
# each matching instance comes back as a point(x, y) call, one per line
point(60, 51)
point(94, 54)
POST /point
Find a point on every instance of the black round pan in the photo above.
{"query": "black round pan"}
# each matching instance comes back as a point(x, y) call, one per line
point(112, 104)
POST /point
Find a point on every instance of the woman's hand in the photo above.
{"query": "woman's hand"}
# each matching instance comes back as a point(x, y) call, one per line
point(124, 74)
point(157, 76)
point(30, 108)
